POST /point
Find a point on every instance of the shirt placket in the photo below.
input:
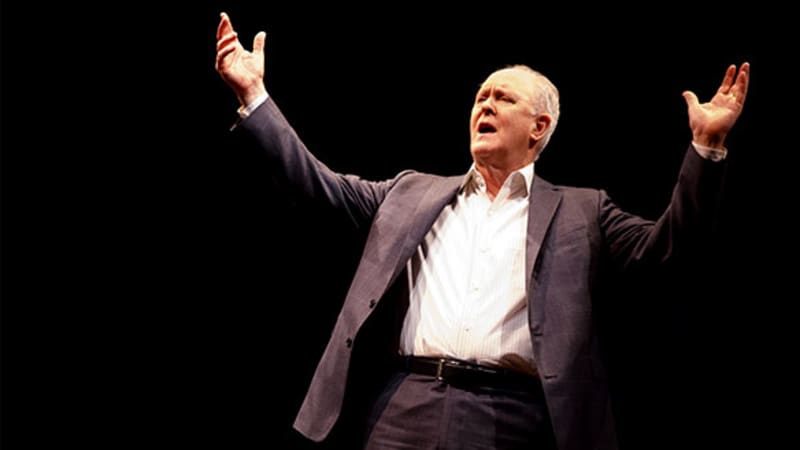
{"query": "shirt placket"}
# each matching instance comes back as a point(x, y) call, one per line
point(479, 209)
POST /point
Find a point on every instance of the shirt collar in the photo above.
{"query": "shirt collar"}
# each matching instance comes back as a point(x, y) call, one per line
point(475, 179)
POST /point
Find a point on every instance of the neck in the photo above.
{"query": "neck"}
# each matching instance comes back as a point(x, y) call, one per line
point(495, 176)
point(496, 166)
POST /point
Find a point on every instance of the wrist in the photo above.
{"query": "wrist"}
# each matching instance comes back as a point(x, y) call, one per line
point(251, 95)
point(716, 142)
point(245, 111)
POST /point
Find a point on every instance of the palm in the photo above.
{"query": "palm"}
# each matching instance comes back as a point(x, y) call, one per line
point(242, 65)
point(710, 122)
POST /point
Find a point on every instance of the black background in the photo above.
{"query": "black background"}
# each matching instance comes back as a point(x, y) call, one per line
point(158, 291)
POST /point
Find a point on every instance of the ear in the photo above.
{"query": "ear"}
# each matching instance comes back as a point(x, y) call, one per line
point(540, 126)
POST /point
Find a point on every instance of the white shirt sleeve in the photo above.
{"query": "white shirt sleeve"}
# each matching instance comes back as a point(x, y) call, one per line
point(245, 111)
point(713, 154)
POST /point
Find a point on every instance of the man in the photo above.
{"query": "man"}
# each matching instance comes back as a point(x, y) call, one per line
point(469, 321)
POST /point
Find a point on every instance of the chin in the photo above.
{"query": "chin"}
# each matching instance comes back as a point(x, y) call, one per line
point(481, 151)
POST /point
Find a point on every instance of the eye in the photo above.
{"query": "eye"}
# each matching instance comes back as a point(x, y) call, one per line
point(507, 99)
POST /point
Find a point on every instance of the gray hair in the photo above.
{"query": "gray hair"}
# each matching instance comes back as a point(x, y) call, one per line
point(546, 98)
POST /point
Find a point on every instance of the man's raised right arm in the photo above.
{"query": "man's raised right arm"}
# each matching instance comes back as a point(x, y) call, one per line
point(243, 71)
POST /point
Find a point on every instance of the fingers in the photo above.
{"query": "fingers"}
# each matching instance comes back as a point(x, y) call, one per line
point(225, 33)
point(739, 89)
point(727, 81)
point(224, 26)
point(691, 99)
point(231, 38)
point(227, 39)
point(258, 43)
point(227, 43)
point(222, 53)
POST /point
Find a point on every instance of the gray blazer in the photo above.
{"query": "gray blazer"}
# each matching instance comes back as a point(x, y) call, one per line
point(573, 235)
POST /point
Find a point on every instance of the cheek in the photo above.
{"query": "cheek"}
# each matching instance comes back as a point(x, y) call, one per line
point(520, 127)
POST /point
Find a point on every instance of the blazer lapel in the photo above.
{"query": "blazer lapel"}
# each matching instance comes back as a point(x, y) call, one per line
point(420, 221)
point(544, 201)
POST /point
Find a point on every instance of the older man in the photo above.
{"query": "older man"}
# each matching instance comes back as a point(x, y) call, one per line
point(469, 322)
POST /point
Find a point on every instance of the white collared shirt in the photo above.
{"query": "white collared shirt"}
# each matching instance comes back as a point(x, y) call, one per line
point(467, 278)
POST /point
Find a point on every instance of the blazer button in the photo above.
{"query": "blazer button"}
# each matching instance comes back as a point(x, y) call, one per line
point(372, 303)
point(348, 342)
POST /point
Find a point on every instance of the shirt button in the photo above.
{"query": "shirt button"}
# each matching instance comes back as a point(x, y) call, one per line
point(348, 342)
point(372, 303)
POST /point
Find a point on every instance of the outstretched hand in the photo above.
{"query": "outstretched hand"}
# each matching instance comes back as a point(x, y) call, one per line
point(710, 122)
point(243, 71)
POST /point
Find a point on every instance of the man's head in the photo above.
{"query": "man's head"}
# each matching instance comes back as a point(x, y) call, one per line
point(515, 112)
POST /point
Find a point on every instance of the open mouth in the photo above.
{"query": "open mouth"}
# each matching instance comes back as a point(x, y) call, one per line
point(484, 128)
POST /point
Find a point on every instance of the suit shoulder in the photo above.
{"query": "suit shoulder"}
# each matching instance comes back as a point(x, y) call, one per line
point(583, 199)
point(412, 176)
point(578, 192)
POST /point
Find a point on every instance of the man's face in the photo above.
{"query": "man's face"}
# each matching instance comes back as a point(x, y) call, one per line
point(503, 117)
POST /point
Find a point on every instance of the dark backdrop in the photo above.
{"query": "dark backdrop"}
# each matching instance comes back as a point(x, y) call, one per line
point(157, 289)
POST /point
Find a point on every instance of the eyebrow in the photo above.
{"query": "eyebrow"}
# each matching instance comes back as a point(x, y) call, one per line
point(504, 88)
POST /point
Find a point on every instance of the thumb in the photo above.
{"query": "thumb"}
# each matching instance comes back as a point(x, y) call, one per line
point(258, 42)
point(691, 99)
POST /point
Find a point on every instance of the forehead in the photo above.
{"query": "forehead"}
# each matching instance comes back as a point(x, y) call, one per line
point(515, 79)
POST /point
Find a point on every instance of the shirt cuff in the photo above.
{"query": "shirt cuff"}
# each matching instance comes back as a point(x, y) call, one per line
point(245, 111)
point(713, 154)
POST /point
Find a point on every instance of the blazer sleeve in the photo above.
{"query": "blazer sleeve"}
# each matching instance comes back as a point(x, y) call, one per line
point(632, 240)
point(303, 173)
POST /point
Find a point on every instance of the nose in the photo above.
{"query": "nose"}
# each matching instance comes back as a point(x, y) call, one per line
point(487, 106)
